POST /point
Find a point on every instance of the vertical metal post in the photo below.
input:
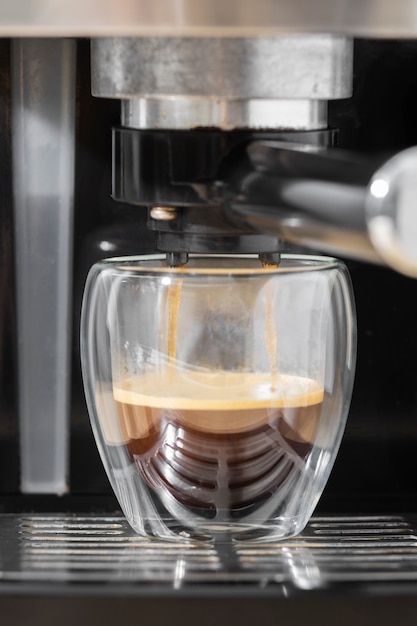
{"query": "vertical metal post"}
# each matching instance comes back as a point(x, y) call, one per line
point(43, 126)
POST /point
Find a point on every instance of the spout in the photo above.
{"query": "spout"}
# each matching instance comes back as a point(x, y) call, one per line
point(332, 201)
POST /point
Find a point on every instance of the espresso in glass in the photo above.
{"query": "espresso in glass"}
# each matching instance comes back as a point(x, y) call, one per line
point(218, 442)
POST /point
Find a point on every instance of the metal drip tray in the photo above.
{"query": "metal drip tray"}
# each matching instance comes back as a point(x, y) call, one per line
point(102, 549)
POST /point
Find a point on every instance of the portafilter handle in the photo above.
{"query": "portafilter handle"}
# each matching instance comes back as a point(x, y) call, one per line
point(330, 200)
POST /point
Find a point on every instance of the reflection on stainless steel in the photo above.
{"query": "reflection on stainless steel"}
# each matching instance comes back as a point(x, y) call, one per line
point(265, 82)
point(182, 112)
point(334, 201)
point(368, 18)
point(391, 211)
point(288, 66)
point(227, 83)
point(60, 548)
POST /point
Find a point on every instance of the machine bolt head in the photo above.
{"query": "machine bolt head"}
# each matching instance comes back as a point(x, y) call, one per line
point(163, 213)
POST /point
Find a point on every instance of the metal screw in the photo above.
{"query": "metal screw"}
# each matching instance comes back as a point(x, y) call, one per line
point(163, 213)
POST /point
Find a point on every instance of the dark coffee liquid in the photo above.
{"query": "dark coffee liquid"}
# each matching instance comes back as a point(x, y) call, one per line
point(223, 441)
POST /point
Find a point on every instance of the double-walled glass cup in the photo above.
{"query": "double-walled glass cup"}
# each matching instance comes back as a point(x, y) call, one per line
point(218, 391)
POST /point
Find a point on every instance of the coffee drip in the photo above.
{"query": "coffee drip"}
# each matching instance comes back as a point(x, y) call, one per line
point(174, 301)
point(271, 337)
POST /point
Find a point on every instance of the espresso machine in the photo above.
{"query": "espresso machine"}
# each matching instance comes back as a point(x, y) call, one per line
point(187, 127)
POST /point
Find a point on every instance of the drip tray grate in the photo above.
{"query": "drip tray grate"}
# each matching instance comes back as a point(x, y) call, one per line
point(71, 548)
